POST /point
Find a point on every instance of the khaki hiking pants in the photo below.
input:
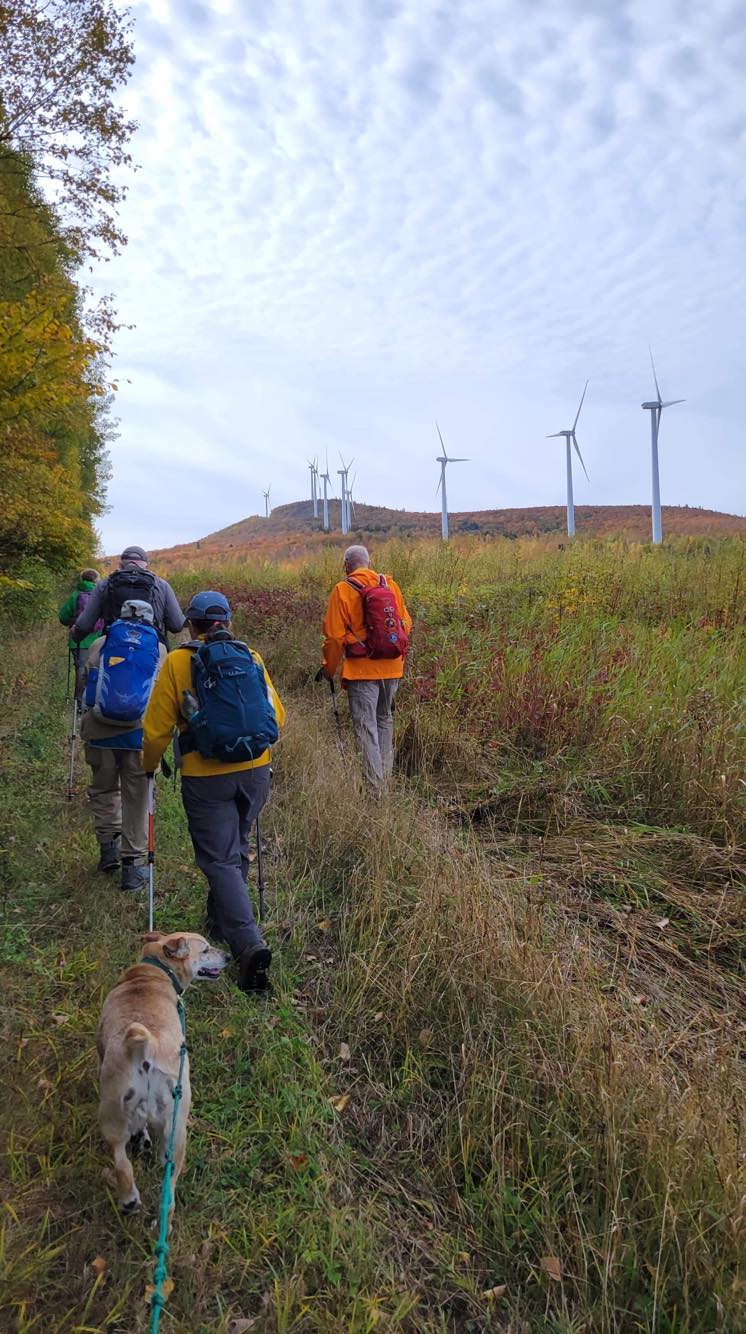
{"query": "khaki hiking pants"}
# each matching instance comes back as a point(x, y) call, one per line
point(118, 797)
point(371, 710)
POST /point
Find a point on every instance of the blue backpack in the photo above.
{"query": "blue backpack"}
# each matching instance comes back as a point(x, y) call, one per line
point(119, 689)
point(234, 718)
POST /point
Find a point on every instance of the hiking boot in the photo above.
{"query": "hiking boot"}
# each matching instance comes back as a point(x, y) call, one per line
point(253, 963)
point(134, 875)
point(109, 855)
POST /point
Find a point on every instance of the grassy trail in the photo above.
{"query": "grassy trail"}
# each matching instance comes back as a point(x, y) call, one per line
point(278, 1215)
point(542, 1130)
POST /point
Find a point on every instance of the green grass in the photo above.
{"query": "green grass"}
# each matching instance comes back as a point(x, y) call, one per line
point(533, 949)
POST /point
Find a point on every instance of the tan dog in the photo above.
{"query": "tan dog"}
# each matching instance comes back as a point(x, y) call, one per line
point(139, 1047)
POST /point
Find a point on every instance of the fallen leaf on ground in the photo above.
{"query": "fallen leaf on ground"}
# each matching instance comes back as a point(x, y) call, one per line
point(552, 1266)
point(166, 1290)
point(297, 1160)
point(61, 1018)
point(639, 1000)
point(227, 1032)
point(493, 1293)
point(312, 958)
point(344, 1052)
point(664, 921)
point(45, 1085)
point(273, 1021)
point(424, 1036)
point(464, 1257)
point(239, 1324)
point(340, 1101)
point(98, 1264)
point(323, 925)
point(378, 1017)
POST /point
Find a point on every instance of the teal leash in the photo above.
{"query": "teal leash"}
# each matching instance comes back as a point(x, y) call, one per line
point(160, 1250)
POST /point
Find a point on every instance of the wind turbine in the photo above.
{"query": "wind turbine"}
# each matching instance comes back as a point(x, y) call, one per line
point(343, 471)
point(314, 466)
point(570, 442)
point(655, 409)
point(351, 503)
point(266, 502)
point(443, 460)
point(325, 507)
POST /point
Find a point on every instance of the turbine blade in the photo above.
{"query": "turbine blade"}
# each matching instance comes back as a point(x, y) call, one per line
point(655, 377)
point(580, 456)
point(440, 437)
point(440, 483)
point(672, 401)
point(555, 435)
point(577, 414)
point(459, 460)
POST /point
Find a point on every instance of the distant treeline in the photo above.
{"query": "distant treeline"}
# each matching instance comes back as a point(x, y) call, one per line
point(61, 133)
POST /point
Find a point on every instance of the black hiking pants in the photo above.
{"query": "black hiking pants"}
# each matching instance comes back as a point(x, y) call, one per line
point(221, 810)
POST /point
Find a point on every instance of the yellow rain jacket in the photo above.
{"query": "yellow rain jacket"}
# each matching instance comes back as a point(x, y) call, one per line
point(164, 713)
point(344, 624)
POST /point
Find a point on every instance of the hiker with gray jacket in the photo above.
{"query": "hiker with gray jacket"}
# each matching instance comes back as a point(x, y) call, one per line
point(132, 581)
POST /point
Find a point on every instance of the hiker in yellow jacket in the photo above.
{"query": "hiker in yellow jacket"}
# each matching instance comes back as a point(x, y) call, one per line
point(371, 682)
point(221, 800)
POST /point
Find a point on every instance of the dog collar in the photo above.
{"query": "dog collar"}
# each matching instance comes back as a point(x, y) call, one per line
point(158, 963)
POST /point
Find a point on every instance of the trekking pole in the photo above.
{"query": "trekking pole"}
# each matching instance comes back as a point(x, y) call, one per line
point(318, 677)
point(69, 664)
point(151, 848)
point(260, 869)
point(73, 739)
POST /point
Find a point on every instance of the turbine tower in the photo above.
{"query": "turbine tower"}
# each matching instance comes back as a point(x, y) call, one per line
point(325, 505)
point(570, 442)
point(343, 471)
point(655, 409)
point(443, 460)
point(314, 466)
point(266, 502)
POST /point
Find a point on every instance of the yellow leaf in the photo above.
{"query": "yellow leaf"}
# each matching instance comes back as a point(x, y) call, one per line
point(493, 1293)
point(98, 1264)
point(340, 1101)
point(552, 1266)
point(167, 1289)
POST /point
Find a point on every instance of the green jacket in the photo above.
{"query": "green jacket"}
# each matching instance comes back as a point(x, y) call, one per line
point(68, 614)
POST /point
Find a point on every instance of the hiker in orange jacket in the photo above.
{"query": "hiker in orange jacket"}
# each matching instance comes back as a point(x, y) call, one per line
point(371, 682)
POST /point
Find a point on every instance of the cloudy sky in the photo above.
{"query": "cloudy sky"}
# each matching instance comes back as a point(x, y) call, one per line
point(353, 218)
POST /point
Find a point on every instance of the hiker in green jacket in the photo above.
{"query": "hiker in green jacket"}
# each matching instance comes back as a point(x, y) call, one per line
point(69, 613)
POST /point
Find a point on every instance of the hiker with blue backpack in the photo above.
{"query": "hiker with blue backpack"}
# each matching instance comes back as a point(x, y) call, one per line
point(217, 692)
point(119, 673)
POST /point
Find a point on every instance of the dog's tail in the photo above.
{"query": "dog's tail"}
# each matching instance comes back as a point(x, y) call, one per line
point(137, 1041)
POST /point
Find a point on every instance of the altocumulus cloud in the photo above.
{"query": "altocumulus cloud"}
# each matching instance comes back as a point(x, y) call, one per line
point(351, 219)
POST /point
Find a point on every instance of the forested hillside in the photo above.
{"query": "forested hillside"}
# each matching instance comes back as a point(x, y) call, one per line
point(61, 138)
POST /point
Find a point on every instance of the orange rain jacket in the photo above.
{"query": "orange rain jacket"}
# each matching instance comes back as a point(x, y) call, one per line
point(344, 624)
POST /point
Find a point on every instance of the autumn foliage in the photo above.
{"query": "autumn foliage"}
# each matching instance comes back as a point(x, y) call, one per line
point(60, 135)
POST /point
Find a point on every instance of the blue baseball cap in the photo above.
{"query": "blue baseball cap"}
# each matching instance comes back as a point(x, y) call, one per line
point(208, 606)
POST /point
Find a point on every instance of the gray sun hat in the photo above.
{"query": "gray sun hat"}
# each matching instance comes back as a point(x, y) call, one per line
point(134, 553)
point(136, 610)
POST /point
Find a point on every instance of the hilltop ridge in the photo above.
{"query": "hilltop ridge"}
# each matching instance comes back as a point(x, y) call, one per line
point(292, 530)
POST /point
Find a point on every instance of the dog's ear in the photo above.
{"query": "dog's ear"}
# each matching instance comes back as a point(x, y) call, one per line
point(178, 948)
point(150, 937)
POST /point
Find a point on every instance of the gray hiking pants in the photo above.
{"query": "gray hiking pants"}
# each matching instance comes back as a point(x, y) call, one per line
point(118, 798)
point(371, 710)
point(221, 809)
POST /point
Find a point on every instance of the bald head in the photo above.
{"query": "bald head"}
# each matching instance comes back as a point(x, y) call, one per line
point(356, 558)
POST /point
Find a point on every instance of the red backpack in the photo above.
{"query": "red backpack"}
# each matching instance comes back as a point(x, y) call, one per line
point(385, 636)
